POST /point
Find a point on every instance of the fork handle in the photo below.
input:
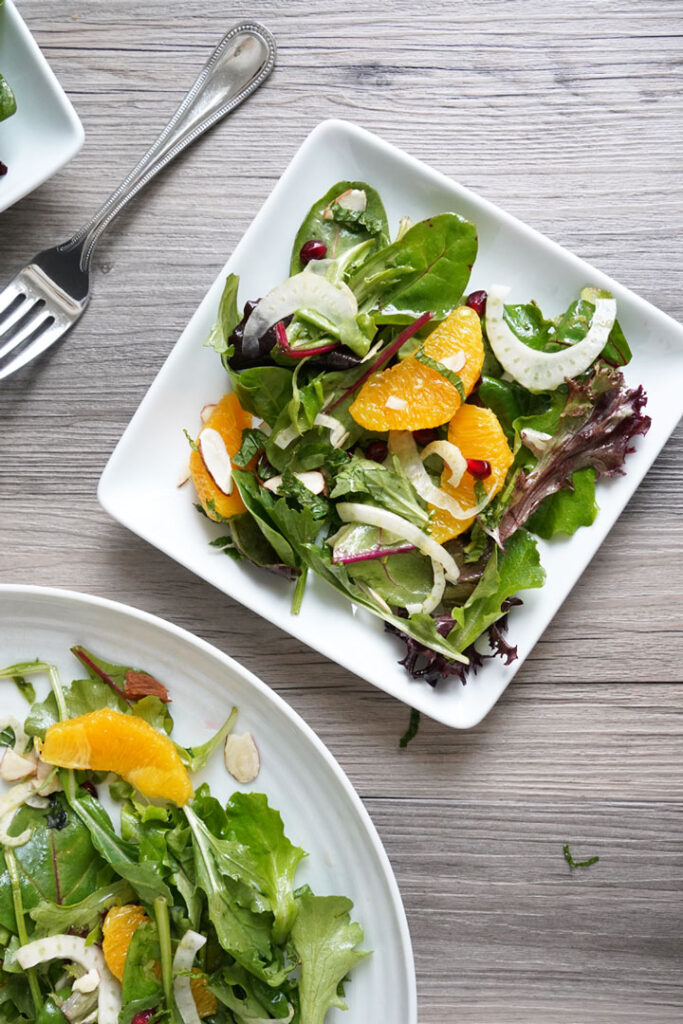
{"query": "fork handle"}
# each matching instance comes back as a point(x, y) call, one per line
point(242, 60)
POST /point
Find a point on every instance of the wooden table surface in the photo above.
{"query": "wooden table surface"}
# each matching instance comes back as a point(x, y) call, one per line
point(570, 117)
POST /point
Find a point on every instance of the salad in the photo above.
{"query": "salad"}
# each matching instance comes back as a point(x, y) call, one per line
point(404, 440)
point(188, 910)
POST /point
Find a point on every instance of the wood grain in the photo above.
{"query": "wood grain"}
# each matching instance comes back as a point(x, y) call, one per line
point(569, 116)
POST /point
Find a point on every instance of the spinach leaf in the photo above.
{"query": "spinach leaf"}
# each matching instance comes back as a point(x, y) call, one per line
point(228, 316)
point(253, 545)
point(517, 568)
point(260, 504)
point(573, 326)
point(426, 270)
point(264, 391)
point(55, 864)
point(344, 230)
point(401, 579)
point(325, 939)
point(565, 511)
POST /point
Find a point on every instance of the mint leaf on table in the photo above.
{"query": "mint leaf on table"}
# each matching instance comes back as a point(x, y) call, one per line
point(577, 863)
point(325, 939)
point(516, 568)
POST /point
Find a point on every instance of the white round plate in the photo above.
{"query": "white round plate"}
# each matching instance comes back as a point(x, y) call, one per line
point(319, 807)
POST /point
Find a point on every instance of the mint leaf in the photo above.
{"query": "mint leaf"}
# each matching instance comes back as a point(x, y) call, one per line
point(451, 376)
point(325, 939)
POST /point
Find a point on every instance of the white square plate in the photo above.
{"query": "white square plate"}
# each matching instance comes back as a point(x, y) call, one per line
point(138, 486)
point(44, 133)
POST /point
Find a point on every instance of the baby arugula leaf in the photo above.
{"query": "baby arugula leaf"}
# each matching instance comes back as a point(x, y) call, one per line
point(325, 939)
point(197, 757)
point(241, 932)
point(259, 830)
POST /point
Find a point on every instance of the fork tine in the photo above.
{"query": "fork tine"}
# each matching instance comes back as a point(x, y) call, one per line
point(35, 324)
point(29, 307)
point(40, 343)
point(9, 294)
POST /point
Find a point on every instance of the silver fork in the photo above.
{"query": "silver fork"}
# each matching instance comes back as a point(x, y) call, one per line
point(48, 296)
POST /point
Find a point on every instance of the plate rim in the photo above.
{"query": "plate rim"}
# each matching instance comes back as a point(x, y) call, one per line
point(107, 489)
point(63, 594)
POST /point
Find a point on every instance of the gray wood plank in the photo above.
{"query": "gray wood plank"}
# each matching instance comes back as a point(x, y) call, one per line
point(569, 116)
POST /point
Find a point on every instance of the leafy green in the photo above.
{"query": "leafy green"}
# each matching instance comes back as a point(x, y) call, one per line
point(141, 988)
point(384, 485)
point(565, 511)
point(59, 865)
point(343, 232)
point(402, 579)
point(84, 695)
point(253, 442)
point(425, 270)
point(292, 487)
point(517, 568)
point(451, 376)
point(247, 997)
point(228, 316)
point(197, 757)
point(577, 863)
point(412, 730)
point(8, 103)
point(243, 933)
point(53, 918)
point(26, 689)
point(272, 859)
point(250, 541)
point(264, 391)
point(325, 939)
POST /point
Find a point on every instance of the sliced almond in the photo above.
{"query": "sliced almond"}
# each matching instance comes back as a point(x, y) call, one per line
point(241, 757)
point(353, 199)
point(313, 481)
point(206, 411)
point(183, 476)
point(455, 362)
point(14, 767)
point(394, 402)
point(87, 982)
point(216, 459)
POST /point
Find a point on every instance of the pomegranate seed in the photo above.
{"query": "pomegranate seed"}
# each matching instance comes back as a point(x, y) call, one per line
point(477, 302)
point(89, 787)
point(377, 451)
point(425, 436)
point(479, 468)
point(313, 250)
point(142, 1017)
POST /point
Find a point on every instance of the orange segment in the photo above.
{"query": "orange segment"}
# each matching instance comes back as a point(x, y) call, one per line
point(229, 419)
point(117, 931)
point(424, 398)
point(109, 740)
point(478, 435)
point(205, 1001)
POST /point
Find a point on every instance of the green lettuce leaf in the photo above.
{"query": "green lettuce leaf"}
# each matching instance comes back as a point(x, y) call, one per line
point(565, 511)
point(52, 918)
point(325, 939)
point(517, 568)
